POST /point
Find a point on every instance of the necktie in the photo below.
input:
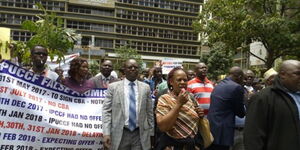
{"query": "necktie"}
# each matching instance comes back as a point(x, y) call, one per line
point(132, 107)
point(105, 82)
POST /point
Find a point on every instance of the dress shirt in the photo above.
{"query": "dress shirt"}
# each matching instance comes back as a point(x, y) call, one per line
point(49, 74)
point(249, 89)
point(296, 98)
point(105, 80)
point(127, 101)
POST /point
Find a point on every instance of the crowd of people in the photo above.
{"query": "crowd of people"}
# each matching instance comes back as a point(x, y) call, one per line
point(145, 110)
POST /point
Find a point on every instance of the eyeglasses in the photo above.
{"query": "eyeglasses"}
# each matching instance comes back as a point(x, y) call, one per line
point(134, 67)
point(40, 53)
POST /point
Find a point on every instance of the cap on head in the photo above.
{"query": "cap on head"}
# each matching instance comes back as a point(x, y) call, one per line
point(269, 73)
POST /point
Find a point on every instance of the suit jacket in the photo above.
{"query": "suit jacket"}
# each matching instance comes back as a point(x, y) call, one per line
point(98, 81)
point(113, 113)
point(226, 103)
point(272, 121)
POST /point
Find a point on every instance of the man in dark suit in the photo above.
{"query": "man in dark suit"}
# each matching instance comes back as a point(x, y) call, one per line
point(128, 113)
point(105, 78)
point(226, 103)
point(273, 115)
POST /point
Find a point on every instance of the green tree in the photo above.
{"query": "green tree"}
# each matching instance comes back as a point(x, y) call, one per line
point(94, 67)
point(49, 32)
point(275, 23)
point(20, 50)
point(218, 61)
point(125, 52)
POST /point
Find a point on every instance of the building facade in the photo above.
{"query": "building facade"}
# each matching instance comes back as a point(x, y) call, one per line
point(158, 29)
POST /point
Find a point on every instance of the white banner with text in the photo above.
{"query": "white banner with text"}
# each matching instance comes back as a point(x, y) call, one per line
point(37, 113)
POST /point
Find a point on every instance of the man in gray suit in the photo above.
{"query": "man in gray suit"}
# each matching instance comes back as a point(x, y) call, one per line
point(127, 112)
point(105, 78)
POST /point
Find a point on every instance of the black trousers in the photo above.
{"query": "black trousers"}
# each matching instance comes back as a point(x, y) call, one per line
point(217, 147)
point(187, 143)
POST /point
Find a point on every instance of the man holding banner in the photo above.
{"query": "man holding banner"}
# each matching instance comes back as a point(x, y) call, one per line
point(127, 112)
point(38, 57)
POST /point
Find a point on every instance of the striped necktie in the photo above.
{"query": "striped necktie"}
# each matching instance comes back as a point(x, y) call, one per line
point(132, 108)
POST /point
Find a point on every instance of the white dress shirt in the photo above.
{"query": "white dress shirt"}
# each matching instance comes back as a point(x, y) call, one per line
point(126, 100)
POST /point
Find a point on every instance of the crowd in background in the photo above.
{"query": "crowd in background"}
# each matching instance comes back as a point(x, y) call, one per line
point(145, 109)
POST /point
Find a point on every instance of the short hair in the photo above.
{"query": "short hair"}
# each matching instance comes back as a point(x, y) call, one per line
point(105, 60)
point(171, 75)
point(75, 64)
point(33, 48)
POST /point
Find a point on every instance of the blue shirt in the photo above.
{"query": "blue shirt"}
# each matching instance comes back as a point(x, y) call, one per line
point(296, 97)
point(240, 122)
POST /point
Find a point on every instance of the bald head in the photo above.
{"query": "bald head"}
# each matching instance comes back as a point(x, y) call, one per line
point(236, 74)
point(131, 69)
point(235, 71)
point(106, 68)
point(249, 72)
point(190, 74)
point(289, 74)
point(288, 65)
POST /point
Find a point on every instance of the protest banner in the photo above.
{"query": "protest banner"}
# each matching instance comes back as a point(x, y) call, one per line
point(169, 64)
point(64, 64)
point(37, 113)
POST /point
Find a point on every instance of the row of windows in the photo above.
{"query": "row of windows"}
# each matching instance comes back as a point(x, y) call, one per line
point(159, 47)
point(140, 46)
point(105, 43)
point(15, 19)
point(49, 5)
point(158, 18)
point(159, 33)
point(166, 4)
point(21, 35)
point(90, 26)
point(89, 10)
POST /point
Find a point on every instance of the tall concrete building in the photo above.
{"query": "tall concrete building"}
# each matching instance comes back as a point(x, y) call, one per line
point(158, 29)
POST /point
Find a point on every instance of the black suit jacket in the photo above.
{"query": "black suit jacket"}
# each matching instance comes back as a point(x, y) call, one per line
point(226, 103)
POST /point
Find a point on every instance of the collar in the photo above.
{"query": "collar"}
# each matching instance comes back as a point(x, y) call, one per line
point(205, 80)
point(43, 73)
point(105, 78)
point(126, 81)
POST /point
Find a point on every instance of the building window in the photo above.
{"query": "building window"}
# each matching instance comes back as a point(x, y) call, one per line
point(153, 17)
point(159, 47)
point(15, 18)
point(90, 10)
point(157, 33)
point(179, 6)
point(49, 5)
point(20, 35)
point(90, 26)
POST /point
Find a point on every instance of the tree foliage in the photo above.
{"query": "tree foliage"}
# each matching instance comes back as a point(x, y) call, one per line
point(275, 23)
point(94, 67)
point(125, 52)
point(20, 50)
point(218, 61)
point(49, 32)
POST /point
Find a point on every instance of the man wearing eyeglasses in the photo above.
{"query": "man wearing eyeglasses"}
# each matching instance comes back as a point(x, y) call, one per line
point(127, 112)
point(38, 57)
